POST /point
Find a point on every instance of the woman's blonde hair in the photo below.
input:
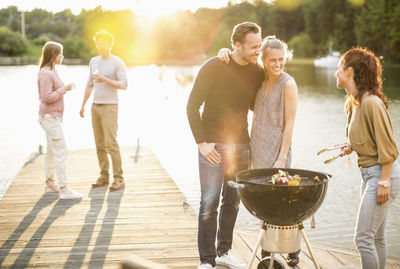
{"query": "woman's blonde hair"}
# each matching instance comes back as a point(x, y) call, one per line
point(274, 43)
point(50, 52)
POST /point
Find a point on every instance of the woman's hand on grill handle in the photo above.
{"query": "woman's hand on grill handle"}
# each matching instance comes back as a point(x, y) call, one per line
point(209, 152)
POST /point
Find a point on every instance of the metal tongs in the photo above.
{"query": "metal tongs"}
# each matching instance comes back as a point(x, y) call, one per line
point(338, 146)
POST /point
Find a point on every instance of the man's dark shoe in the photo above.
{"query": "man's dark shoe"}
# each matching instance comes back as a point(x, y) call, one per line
point(101, 181)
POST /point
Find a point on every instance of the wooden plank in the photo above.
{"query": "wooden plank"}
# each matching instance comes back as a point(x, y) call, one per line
point(164, 253)
point(324, 258)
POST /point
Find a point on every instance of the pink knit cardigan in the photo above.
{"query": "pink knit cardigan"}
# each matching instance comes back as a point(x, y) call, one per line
point(51, 93)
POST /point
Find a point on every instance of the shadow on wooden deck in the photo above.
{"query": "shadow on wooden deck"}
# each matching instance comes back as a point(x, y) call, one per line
point(79, 250)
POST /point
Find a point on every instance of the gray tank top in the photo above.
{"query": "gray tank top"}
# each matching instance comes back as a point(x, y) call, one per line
point(268, 125)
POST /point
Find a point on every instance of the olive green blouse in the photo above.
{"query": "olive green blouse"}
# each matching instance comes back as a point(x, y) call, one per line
point(370, 132)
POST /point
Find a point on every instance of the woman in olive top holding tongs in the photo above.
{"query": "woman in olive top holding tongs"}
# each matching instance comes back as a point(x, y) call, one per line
point(370, 135)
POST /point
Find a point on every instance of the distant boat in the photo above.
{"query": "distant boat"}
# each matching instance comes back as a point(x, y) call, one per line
point(330, 60)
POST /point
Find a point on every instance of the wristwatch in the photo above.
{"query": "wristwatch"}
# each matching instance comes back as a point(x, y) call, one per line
point(384, 183)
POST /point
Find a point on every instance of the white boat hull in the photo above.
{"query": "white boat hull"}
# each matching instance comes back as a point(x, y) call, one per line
point(327, 61)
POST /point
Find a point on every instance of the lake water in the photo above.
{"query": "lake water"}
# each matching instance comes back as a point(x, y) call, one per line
point(153, 110)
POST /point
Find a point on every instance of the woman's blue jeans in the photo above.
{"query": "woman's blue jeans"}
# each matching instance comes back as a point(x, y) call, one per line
point(213, 180)
point(370, 230)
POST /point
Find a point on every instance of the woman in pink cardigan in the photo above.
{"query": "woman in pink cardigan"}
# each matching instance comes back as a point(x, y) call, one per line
point(51, 95)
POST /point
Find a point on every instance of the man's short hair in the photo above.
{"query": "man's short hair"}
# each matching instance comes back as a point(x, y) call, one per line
point(103, 34)
point(242, 29)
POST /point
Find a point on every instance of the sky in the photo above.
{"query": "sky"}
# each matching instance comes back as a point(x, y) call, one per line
point(140, 7)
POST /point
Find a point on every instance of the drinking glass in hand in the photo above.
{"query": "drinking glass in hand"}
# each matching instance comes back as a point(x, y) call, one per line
point(95, 70)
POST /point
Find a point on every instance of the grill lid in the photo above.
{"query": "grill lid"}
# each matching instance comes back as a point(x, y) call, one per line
point(281, 204)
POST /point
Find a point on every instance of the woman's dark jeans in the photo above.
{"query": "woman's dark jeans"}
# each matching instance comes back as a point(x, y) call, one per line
point(213, 179)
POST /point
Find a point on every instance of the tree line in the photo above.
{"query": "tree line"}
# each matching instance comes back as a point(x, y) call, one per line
point(308, 26)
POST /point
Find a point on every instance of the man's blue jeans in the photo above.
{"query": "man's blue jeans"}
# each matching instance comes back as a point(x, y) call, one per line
point(213, 179)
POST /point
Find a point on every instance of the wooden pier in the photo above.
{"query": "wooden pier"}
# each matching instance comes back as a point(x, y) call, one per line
point(149, 219)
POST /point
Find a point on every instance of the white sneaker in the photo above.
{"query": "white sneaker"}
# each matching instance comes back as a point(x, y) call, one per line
point(205, 266)
point(70, 195)
point(229, 260)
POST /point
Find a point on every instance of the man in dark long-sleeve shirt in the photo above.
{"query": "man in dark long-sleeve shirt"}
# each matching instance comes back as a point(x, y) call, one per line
point(227, 91)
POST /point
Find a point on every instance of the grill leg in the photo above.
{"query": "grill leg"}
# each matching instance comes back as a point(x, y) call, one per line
point(253, 255)
point(271, 261)
point(309, 248)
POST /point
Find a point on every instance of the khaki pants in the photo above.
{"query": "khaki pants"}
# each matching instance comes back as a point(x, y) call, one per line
point(105, 127)
point(56, 157)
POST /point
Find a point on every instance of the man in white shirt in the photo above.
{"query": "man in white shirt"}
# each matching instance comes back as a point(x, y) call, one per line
point(107, 76)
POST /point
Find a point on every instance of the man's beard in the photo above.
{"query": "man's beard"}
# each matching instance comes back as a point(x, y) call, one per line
point(248, 58)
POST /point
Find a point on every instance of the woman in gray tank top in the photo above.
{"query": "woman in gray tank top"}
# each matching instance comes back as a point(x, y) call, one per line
point(274, 110)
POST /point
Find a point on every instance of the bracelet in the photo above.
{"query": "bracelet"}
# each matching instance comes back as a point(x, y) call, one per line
point(384, 183)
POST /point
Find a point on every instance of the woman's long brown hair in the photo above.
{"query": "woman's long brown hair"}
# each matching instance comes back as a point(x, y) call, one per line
point(367, 73)
point(50, 52)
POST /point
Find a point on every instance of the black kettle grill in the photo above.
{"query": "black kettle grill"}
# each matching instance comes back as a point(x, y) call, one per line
point(280, 207)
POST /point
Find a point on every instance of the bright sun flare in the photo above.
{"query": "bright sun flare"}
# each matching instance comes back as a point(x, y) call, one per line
point(154, 9)
point(149, 8)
